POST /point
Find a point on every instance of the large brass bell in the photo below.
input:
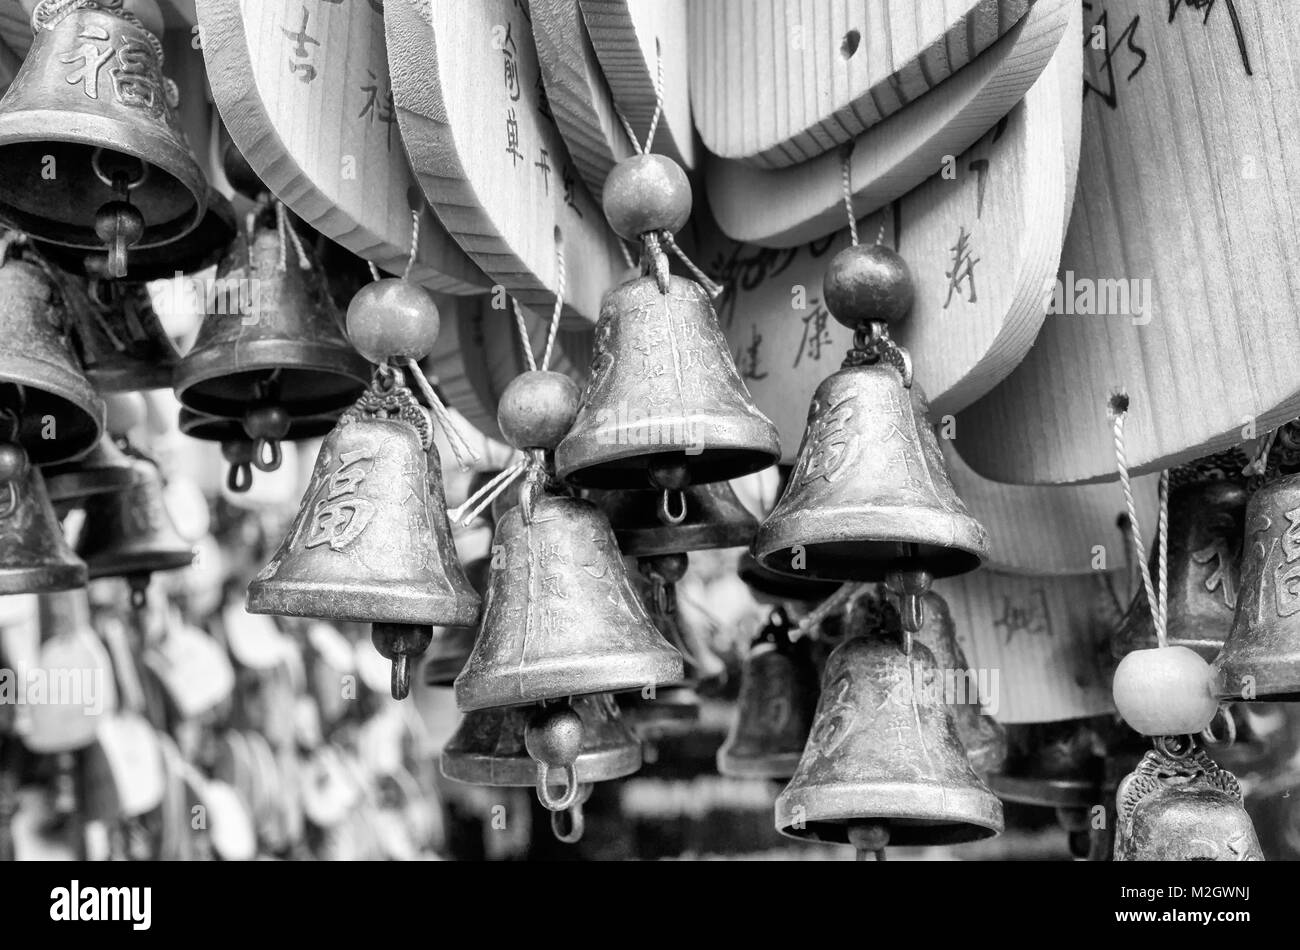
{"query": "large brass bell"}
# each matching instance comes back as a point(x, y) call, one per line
point(272, 347)
point(1261, 658)
point(1206, 521)
point(778, 695)
point(91, 153)
point(131, 534)
point(982, 736)
point(192, 252)
point(883, 764)
point(869, 495)
point(1178, 805)
point(664, 407)
point(561, 617)
point(1053, 765)
point(123, 345)
point(700, 518)
point(49, 405)
point(371, 542)
point(34, 557)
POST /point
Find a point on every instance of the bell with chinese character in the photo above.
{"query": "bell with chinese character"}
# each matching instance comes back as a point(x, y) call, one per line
point(91, 153)
point(122, 343)
point(778, 694)
point(664, 407)
point(131, 534)
point(700, 518)
point(34, 557)
point(272, 346)
point(1053, 765)
point(883, 764)
point(869, 497)
point(1178, 805)
point(1261, 658)
point(1206, 522)
point(561, 617)
point(371, 542)
point(46, 403)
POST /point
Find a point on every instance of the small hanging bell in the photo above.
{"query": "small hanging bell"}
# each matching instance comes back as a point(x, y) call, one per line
point(238, 449)
point(1053, 765)
point(41, 385)
point(1178, 805)
point(371, 542)
point(124, 175)
point(664, 407)
point(778, 695)
point(1261, 658)
point(982, 736)
point(130, 533)
point(700, 518)
point(34, 557)
point(274, 348)
point(103, 470)
point(1206, 522)
point(883, 764)
point(195, 251)
point(869, 497)
point(122, 343)
point(561, 617)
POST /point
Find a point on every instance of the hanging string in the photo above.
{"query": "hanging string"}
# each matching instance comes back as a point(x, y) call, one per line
point(415, 243)
point(654, 118)
point(835, 601)
point(711, 287)
point(289, 235)
point(460, 448)
point(1259, 463)
point(374, 271)
point(846, 177)
point(1155, 599)
point(522, 326)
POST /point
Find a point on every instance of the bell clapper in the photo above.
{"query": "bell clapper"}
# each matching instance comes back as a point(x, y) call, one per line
point(554, 739)
point(869, 838)
point(13, 470)
point(399, 642)
point(266, 427)
point(239, 456)
point(119, 224)
point(911, 588)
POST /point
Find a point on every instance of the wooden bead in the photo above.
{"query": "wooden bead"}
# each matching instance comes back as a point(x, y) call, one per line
point(537, 409)
point(868, 282)
point(1165, 691)
point(393, 319)
point(646, 193)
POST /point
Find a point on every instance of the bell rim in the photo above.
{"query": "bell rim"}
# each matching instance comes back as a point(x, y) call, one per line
point(213, 363)
point(137, 563)
point(43, 578)
point(968, 813)
point(601, 765)
point(728, 457)
point(225, 429)
point(80, 484)
point(618, 673)
point(1046, 792)
point(681, 540)
point(81, 398)
point(364, 603)
point(1276, 677)
point(779, 766)
point(966, 549)
point(33, 126)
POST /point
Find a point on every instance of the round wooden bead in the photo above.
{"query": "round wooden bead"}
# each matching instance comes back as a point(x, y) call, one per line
point(554, 737)
point(537, 409)
point(393, 319)
point(646, 193)
point(868, 282)
point(1165, 691)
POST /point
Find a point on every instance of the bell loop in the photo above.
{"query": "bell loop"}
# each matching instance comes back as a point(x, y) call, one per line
point(1230, 728)
point(569, 825)
point(267, 454)
point(239, 478)
point(571, 791)
point(666, 514)
point(10, 503)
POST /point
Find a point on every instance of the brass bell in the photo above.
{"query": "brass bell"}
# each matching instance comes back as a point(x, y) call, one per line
point(883, 764)
point(1261, 658)
point(199, 249)
point(701, 517)
point(122, 343)
point(488, 746)
point(271, 347)
point(91, 105)
point(43, 391)
point(1206, 522)
point(1178, 805)
point(1053, 765)
point(371, 542)
point(771, 587)
point(130, 533)
point(561, 617)
point(774, 712)
point(103, 470)
point(34, 557)
point(664, 407)
point(869, 495)
point(982, 736)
